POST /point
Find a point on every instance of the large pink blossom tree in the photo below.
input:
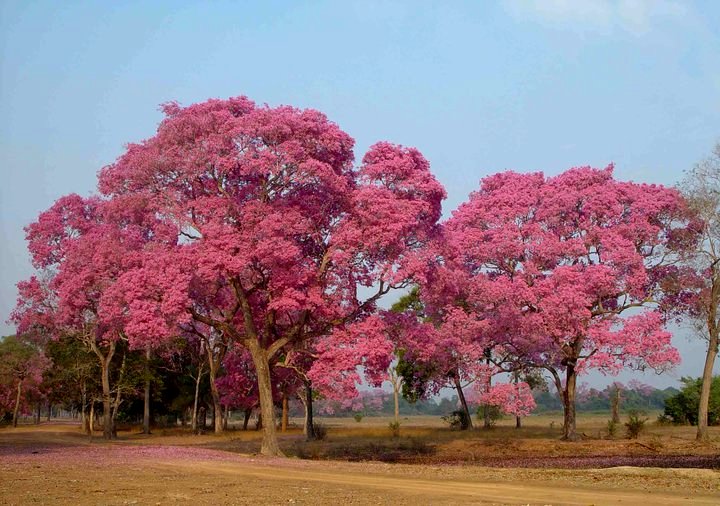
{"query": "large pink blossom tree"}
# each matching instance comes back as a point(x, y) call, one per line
point(279, 229)
point(564, 272)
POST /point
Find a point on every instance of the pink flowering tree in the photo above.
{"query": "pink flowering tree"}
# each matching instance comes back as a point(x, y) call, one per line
point(238, 384)
point(278, 228)
point(87, 244)
point(549, 269)
point(514, 398)
point(22, 365)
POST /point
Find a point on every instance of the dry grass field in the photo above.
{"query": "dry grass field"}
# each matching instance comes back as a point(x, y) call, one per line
point(361, 463)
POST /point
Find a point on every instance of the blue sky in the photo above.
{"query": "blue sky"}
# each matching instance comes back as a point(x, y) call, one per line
point(478, 87)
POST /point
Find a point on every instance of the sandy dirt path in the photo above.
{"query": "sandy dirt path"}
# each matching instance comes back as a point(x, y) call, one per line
point(56, 467)
point(427, 491)
point(156, 481)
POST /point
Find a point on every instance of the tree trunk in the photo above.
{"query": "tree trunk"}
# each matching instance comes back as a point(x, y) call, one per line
point(217, 411)
point(309, 426)
point(105, 360)
point(16, 411)
point(91, 423)
point(284, 419)
point(702, 427)
point(569, 419)
point(518, 420)
point(615, 405)
point(197, 395)
point(83, 409)
point(107, 415)
point(36, 417)
point(202, 419)
point(396, 399)
point(49, 411)
point(118, 396)
point(463, 403)
point(146, 404)
point(269, 444)
point(215, 394)
point(246, 419)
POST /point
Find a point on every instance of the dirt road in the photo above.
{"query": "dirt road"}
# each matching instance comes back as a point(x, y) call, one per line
point(54, 467)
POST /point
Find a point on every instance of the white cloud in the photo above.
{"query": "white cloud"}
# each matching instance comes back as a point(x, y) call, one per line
point(636, 17)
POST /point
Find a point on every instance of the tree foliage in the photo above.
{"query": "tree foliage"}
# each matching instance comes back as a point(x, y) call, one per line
point(682, 408)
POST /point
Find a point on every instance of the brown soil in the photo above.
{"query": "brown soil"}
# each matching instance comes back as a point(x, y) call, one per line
point(55, 464)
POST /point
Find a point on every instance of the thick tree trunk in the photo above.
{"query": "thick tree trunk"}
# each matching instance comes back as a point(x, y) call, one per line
point(518, 422)
point(569, 419)
point(285, 415)
point(463, 402)
point(16, 411)
point(702, 427)
point(146, 404)
point(36, 417)
point(49, 411)
point(269, 446)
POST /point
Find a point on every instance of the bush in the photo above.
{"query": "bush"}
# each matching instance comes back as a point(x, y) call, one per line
point(394, 429)
point(635, 425)
point(682, 408)
point(612, 428)
point(494, 412)
point(320, 431)
point(458, 419)
point(358, 417)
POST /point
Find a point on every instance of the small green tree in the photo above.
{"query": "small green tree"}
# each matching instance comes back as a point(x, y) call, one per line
point(682, 408)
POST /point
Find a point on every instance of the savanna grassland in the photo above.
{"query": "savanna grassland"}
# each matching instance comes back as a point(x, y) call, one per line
point(361, 463)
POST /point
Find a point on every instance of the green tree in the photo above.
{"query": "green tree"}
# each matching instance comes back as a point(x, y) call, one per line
point(682, 408)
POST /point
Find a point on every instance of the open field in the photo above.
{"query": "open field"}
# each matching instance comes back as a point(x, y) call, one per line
point(55, 464)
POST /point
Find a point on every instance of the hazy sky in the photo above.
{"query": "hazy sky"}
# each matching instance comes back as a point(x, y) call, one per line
point(478, 87)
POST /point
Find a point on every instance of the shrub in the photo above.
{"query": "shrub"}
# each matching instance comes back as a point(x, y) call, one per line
point(494, 412)
point(358, 417)
point(458, 419)
point(394, 429)
point(612, 428)
point(635, 424)
point(320, 431)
